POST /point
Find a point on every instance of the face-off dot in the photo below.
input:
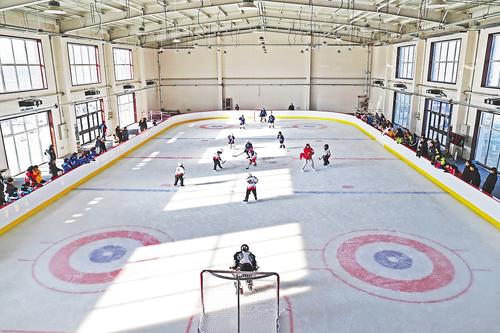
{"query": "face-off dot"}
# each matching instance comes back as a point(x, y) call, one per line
point(107, 253)
point(393, 259)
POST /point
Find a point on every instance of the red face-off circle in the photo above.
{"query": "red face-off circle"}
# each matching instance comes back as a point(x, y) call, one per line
point(60, 266)
point(442, 273)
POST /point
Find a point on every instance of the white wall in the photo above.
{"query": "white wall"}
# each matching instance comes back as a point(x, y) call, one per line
point(321, 79)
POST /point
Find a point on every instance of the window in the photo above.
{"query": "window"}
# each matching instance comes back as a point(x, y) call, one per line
point(444, 61)
point(88, 119)
point(126, 109)
point(437, 121)
point(491, 77)
point(21, 65)
point(406, 62)
point(124, 69)
point(488, 140)
point(84, 64)
point(25, 140)
point(401, 110)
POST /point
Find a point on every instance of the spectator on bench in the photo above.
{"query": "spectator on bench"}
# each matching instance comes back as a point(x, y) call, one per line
point(54, 170)
point(490, 182)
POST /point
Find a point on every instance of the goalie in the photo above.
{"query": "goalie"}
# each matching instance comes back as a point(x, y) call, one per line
point(244, 261)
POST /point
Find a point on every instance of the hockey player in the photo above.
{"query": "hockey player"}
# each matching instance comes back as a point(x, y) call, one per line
point(244, 261)
point(326, 156)
point(263, 115)
point(230, 141)
point(271, 120)
point(179, 174)
point(242, 122)
point(217, 160)
point(252, 158)
point(307, 155)
point(281, 139)
point(248, 148)
point(251, 187)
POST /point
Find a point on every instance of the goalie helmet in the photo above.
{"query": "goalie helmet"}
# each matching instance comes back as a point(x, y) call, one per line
point(245, 248)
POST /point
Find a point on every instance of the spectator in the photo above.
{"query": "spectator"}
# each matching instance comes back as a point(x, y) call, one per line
point(11, 190)
point(30, 178)
point(38, 175)
point(51, 153)
point(237, 107)
point(475, 178)
point(100, 146)
point(54, 170)
point(143, 125)
point(154, 122)
point(491, 180)
point(125, 134)
point(93, 153)
point(74, 161)
point(291, 107)
point(103, 129)
point(118, 135)
point(422, 149)
point(2, 192)
point(66, 165)
point(466, 174)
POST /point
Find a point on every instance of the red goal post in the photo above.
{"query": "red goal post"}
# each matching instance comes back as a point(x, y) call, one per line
point(224, 309)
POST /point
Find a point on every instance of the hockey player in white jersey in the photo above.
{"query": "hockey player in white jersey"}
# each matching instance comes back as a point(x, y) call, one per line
point(244, 261)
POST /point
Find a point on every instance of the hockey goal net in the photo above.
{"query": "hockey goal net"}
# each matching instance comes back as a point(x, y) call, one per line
point(230, 305)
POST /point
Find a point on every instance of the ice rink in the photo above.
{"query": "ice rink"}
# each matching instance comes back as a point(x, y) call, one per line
point(366, 245)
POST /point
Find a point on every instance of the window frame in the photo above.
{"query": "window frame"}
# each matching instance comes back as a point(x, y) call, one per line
point(82, 133)
point(429, 123)
point(97, 65)
point(456, 63)
point(394, 109)
point(41, 65)
point(131, 64)
point(494, 37)
point(404, 64)
point(477, 133)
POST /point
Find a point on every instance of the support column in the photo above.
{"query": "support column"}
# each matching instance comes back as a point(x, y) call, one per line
point(307, 88)
point(111, 89)
point(220, 87)
point(66, 133)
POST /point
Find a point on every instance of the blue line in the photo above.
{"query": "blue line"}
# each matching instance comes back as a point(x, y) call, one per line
point(102, 189)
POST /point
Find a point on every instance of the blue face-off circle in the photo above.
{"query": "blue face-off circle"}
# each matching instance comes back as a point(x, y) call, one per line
point(107, 254)
point(393, 259)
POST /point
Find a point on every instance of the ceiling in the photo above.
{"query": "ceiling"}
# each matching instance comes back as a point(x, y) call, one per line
point(181, 23)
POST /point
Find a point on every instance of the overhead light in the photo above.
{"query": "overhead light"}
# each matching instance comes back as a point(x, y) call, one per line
point(437, 92)
point(492, 101)
point(176, 40)
point(436, 4)
point(379, 83)
point(400, 86)
point(247, 5)
point(54, 7)
point(141, 30)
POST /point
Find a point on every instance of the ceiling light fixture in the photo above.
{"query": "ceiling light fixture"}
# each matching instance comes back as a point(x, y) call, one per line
point(176, 40)
point(54, 7)
point(247, 5)
point(436, 4)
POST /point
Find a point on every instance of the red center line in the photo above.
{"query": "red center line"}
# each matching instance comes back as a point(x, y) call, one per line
point(295, 158)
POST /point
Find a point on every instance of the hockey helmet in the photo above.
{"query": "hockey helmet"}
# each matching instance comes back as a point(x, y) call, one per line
point(245, 248)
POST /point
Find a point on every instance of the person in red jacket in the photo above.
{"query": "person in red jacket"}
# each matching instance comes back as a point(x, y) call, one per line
point(307, 155)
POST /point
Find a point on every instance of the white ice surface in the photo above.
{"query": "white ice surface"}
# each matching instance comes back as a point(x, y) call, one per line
point(205, 222)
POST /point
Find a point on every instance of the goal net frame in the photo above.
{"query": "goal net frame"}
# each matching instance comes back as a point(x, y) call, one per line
point(238, 277)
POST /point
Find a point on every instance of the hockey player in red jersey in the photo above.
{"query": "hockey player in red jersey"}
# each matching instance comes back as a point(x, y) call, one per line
point(307, 155)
